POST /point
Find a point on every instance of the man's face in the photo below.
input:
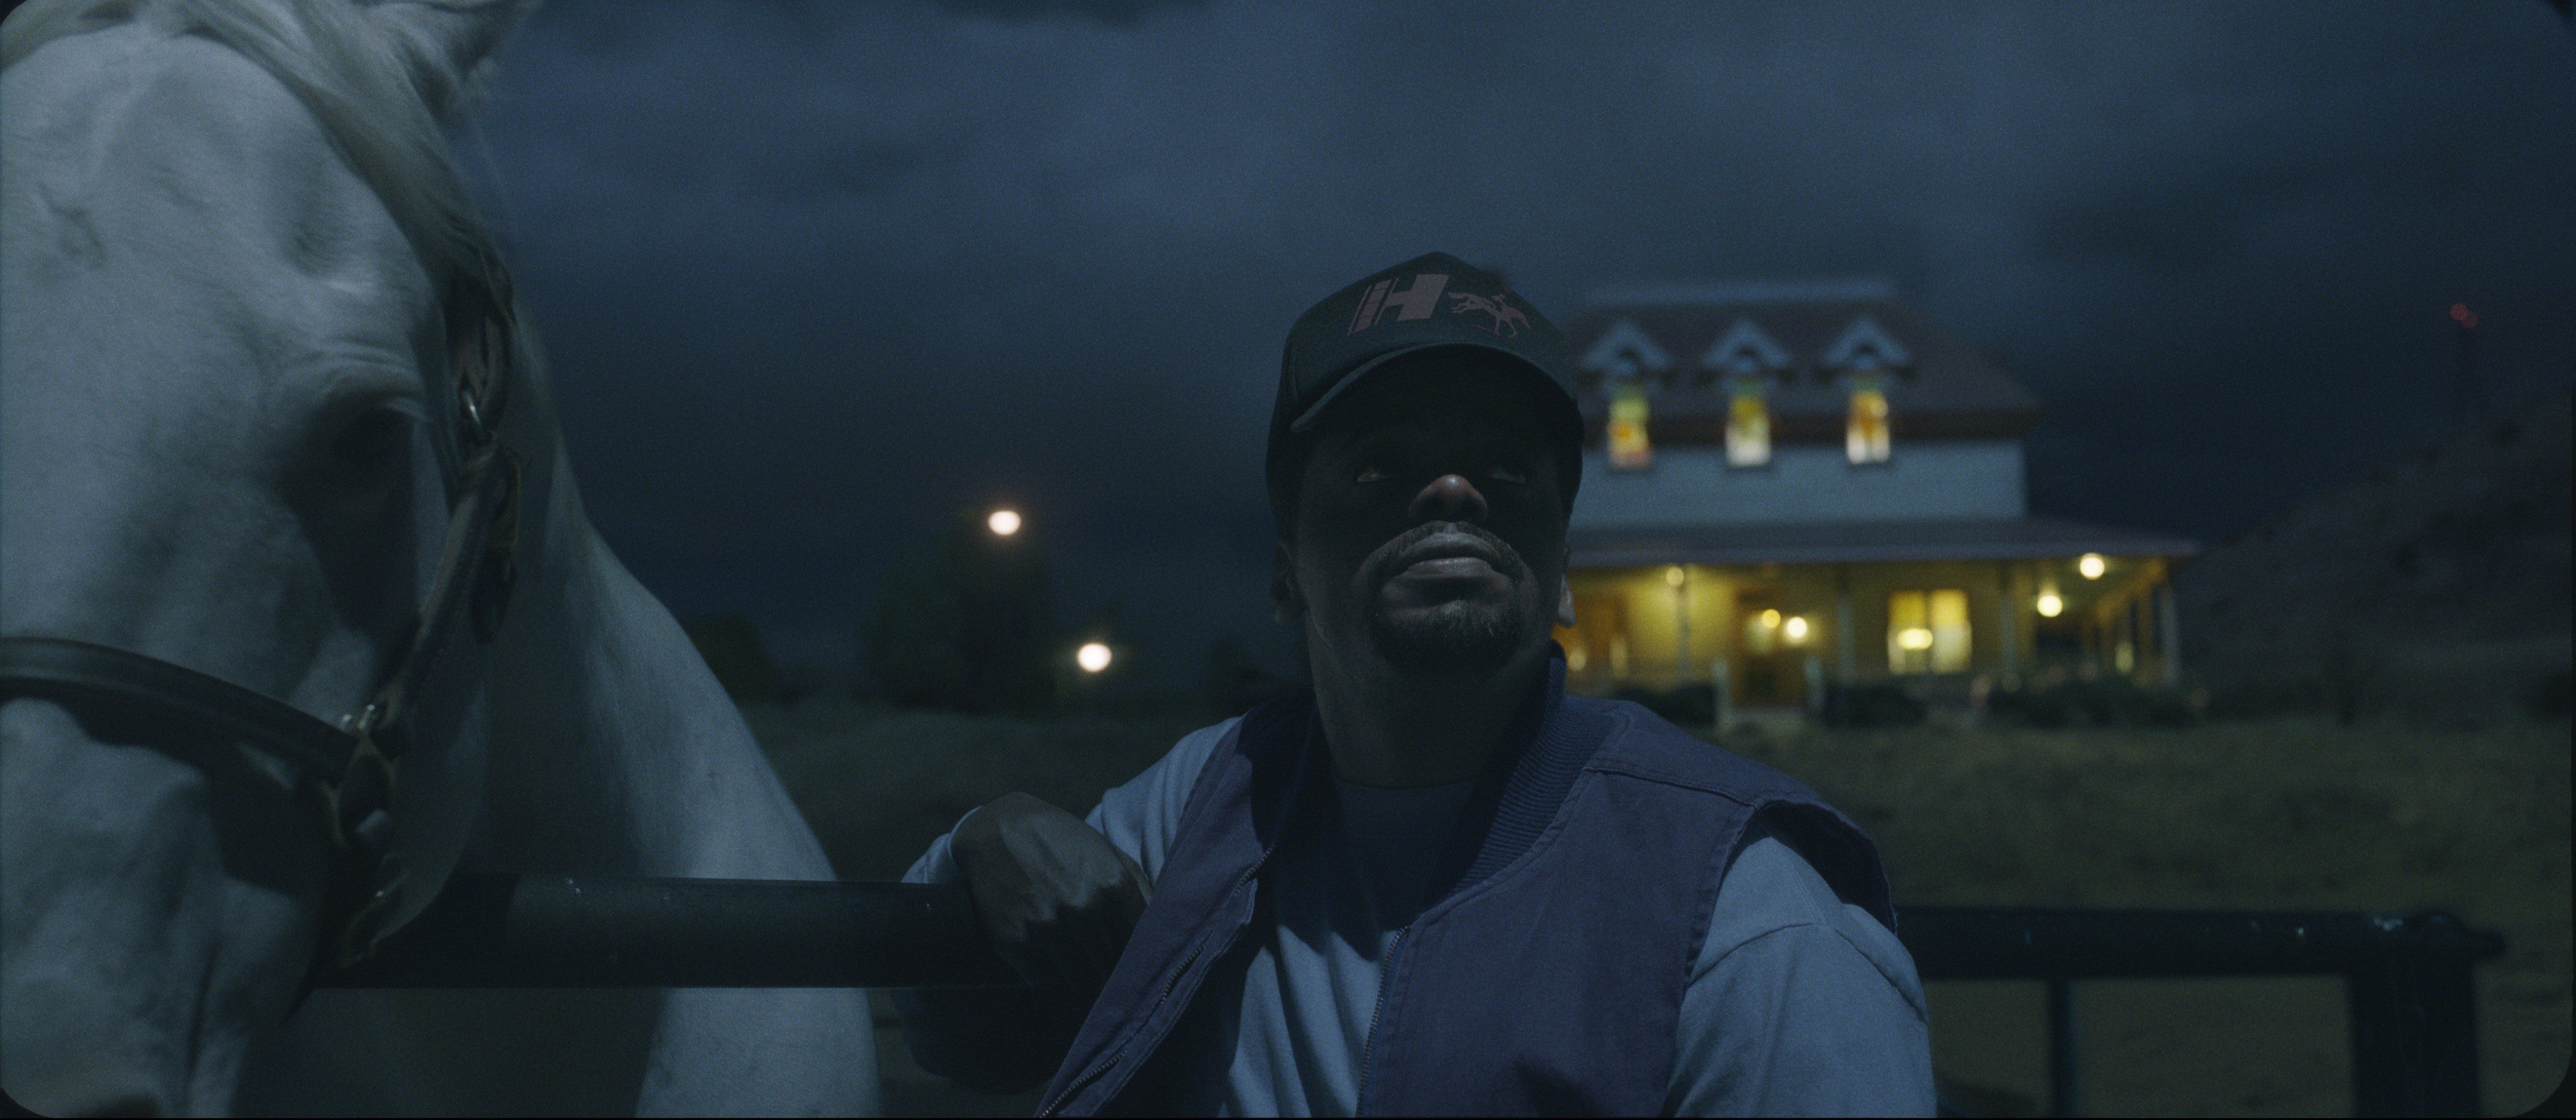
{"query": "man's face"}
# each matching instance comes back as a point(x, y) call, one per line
point(1430, 521)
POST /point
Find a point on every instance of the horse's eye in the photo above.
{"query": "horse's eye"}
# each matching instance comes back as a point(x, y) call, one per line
point(1369, 472)
point(1509, 473)
point(371, 439)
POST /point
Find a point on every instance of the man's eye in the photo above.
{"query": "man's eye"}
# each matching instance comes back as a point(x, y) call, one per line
point(1370, 473)
point(1510, 473)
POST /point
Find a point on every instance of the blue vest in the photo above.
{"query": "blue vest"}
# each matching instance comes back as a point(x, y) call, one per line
point(1548, 975)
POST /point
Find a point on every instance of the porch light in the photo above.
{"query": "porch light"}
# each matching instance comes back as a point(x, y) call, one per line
point(1003, 523)
point(1093, 657)
point(2050, 606)
point(1795, 629)
point(1914, 637)
point(2090, 566)
point(1673, 576)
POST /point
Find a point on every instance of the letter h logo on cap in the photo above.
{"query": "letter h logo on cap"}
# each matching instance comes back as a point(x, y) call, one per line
point(1416, 301)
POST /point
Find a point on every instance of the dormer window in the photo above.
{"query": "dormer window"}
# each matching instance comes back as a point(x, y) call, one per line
point(1629, 449)
point(1746, 359)
point(1865, 434)
point(1748, 423)
point(1868, 354)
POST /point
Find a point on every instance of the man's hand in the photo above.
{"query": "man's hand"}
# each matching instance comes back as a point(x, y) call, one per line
point(1057, 900)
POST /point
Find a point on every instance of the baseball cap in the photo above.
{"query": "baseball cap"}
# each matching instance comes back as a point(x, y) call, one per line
point(1431, 302)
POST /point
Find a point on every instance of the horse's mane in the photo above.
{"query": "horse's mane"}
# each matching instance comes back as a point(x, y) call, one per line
point(379, 86)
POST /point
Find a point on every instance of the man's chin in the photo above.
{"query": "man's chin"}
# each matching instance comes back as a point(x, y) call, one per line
point(1451, 639)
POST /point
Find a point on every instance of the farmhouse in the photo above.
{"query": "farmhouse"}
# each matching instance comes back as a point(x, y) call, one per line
point(1788, 486)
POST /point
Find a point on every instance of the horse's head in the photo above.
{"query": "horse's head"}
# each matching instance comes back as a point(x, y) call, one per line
point(229, 247)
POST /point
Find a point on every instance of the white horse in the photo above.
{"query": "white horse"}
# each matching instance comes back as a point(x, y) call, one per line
point(231, 243)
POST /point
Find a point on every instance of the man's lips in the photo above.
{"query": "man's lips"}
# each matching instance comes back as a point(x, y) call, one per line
point(1448, 567)
point(1449, 556)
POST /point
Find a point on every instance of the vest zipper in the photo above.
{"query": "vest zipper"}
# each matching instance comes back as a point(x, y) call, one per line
point(1368, 1045)
point(1100, 1068)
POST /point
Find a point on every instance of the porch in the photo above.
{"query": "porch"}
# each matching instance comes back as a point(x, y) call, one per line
point(1773, 615)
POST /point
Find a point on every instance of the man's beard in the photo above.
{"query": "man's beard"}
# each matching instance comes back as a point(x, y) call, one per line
point(1456, 638)
point(1453, 639)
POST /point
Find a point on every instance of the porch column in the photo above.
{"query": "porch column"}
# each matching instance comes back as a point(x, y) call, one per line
point(1681, 626)
point(2005, 644)
point(2169, 628)
point(1846, 656)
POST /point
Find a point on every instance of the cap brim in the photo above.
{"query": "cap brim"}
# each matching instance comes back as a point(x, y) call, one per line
point(1314, 413)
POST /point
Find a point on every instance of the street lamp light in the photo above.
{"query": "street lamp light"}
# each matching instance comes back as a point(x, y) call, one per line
point(1093, 657)
point(1003, 522)
point(2090, 565)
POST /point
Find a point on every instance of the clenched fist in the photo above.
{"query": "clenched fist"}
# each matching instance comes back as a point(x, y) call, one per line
point(1057, 900)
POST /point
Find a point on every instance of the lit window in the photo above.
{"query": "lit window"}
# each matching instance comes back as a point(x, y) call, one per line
point(1927, 631)
point(1629, 450)
point(1865, 438)
point(1748, 424)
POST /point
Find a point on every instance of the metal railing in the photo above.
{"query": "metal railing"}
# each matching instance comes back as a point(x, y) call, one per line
point(2409, 979)
point(2414, 1017)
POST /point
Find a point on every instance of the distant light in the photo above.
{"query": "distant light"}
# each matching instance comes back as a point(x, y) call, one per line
point(2090, 566)
point(1770, 619)
point(1914, 637)
point(2050, 606)
point(1795, 629)
point(2459, 312)
point(1673, 576)
point(1093, 657)
point(1004, 522)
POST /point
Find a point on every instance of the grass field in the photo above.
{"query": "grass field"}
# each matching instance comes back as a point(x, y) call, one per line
point(2274, 815)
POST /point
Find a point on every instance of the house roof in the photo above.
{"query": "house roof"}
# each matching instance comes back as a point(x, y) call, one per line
point(1805, 341)
point(2021, 538)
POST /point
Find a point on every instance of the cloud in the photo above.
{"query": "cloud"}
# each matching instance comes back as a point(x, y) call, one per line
point(814, 274)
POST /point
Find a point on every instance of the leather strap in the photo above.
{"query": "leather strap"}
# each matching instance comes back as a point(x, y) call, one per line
point(85, 674)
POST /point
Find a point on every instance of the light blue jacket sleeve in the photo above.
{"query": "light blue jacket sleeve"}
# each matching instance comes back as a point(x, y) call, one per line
point(1139, 818)
point(1799, 1003)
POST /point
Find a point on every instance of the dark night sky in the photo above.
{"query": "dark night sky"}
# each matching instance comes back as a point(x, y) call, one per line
point(813, 275)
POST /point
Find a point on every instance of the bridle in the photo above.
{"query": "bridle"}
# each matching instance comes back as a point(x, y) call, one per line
point(352, 766)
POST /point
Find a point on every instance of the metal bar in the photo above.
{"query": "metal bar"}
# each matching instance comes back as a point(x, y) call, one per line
point(1959, 944)
point(2414, 1015)
point(2061, 1047)
point(2414, 1039)
point(490, 930)
point(558, 931)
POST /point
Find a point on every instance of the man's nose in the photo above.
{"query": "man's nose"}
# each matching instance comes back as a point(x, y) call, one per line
point(1450, 497)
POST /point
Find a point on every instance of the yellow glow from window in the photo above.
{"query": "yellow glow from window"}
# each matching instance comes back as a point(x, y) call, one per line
point(1004, 522)
point(1093, 657)
point(2090, 566)
point(1865, 436)
point(2050, 606)
point(1795, 629)
point(1629, 450)
point(1748, 426)
point(1927, 631)
point(1673, 576)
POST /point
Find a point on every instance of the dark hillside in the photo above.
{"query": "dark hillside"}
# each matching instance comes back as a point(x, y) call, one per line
point(2436, 587)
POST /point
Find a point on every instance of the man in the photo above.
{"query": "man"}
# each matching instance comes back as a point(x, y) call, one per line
point(1433, 882)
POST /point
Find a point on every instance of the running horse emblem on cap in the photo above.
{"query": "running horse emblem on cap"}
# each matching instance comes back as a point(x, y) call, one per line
point(1508, 319)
